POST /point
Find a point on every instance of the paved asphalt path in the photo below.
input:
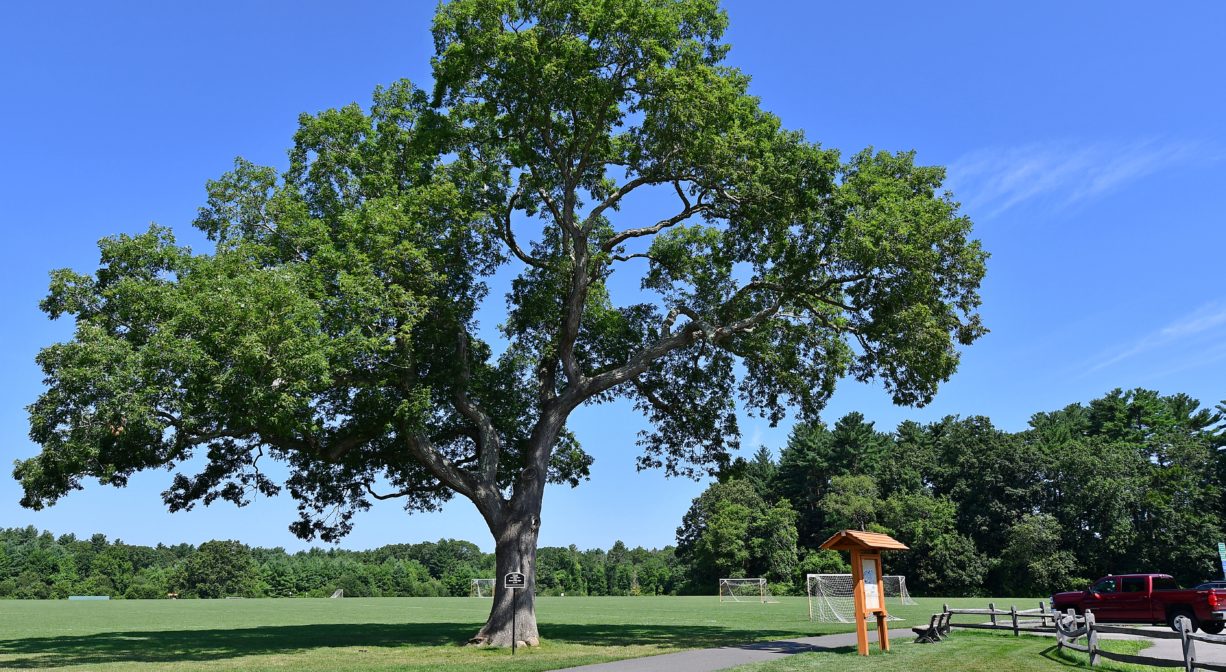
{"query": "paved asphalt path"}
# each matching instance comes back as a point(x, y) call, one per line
point(1172, 649)
point(708, 660)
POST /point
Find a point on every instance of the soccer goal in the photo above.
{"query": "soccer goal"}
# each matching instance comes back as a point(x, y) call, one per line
point(481, 588)
point(831, 599)
point(340, 592)
point(744, 590)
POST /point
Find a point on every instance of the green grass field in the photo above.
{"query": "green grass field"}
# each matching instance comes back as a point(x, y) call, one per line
point(963, 652)
point(390, 633)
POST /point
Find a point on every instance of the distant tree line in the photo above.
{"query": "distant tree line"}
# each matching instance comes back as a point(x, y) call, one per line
point(1129, 482)
point(39, 565)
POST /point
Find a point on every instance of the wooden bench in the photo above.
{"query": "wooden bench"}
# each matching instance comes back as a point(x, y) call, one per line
point(936, 630)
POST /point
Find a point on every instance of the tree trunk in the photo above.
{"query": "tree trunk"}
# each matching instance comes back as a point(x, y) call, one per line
point(514, 551)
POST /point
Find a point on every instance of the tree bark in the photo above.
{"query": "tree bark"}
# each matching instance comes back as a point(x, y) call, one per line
point(515, 551)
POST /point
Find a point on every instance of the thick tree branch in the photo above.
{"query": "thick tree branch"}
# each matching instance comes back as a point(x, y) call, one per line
point(509, 237)
point(635, 366)
point(331, 448)
point(185, 437)
point(615, 93)
point(696, 329)
point(659, 226)
point(572, 313)
point(614, 198)
point(553, 207)
point(746, 324)
point(653, 399)
point(547, 377)
point(438, 489)
point(338, 448)
point(422, 450)
point(489, 445)
point(636, 255)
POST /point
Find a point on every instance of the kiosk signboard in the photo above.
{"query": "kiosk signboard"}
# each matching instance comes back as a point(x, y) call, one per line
point(865, 549)
point(872, 601)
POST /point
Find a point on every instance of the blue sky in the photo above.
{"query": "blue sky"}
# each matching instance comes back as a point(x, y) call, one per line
point(1086, 140)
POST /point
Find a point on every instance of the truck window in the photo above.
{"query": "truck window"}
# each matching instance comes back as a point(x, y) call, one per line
point(1165, 583)
point(1107, 585)
point(1134, 584)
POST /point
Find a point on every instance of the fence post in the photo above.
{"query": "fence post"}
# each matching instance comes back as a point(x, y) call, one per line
point(1189, 644)
point(1072, 616)
point(1091, 638)
point(1042, 614)
point(992, 608)
point(1013, 613)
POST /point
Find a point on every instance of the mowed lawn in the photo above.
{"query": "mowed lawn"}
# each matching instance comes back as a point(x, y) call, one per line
point(390, 633)
point(965, 651)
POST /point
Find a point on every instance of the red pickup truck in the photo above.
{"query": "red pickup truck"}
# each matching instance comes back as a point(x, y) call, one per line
point(1147, 598)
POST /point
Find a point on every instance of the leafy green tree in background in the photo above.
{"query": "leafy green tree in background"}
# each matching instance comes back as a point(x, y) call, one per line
point(221, 569)
point(759, 471)
point(851, 502)
point(991, 474)
point(1114, 477)
point(730, 532)
point(1033, 562)
point(909, 462)
point(333, 325)
point(112, 567)
point(593, 562)
point(856, 447)
point(723, 550)
point(694, 547)
point(656, 571)
point(773, 539)
point(620, 577)
point(559, 570)
point(802, 477)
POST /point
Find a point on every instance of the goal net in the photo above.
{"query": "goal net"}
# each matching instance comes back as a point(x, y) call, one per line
point(482, 588)
point(340, 592)
point(831, 598)
point(744, 590)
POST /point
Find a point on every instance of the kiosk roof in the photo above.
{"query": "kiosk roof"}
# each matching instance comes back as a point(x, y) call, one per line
point(864, 541)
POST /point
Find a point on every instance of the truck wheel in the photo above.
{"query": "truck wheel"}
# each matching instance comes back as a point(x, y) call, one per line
point(1212, 627)
point(1186, 613)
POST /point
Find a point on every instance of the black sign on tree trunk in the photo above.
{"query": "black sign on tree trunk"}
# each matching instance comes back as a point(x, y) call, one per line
point(514, 581)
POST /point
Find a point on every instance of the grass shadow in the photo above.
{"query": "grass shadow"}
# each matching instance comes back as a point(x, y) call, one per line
point(1053, 654)
point(664, 636)
point(176, 646)
point(786, 647)
point(185, 646)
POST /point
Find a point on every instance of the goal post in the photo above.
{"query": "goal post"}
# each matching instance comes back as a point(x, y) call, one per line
point(831, 599)
point(896, 586)
point(338, 593)
point(481, 588)
point(744, 590)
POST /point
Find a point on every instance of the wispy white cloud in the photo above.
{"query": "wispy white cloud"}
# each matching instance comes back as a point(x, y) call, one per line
point(1205, 320)
point(1200, 360)
point(755, 439)
point(991, 181)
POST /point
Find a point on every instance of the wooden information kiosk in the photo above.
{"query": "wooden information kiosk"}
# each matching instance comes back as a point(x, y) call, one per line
point(867, 586)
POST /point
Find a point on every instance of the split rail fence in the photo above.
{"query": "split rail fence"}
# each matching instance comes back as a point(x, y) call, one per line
point(1070, 627)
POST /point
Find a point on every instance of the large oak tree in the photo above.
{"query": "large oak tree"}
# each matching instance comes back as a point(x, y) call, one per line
point(332, 327)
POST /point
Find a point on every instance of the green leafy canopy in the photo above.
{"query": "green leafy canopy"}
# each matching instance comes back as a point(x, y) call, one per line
point(332, 327)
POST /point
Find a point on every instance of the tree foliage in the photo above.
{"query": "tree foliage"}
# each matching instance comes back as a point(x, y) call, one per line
point(1129, 482)
point(333, 325)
